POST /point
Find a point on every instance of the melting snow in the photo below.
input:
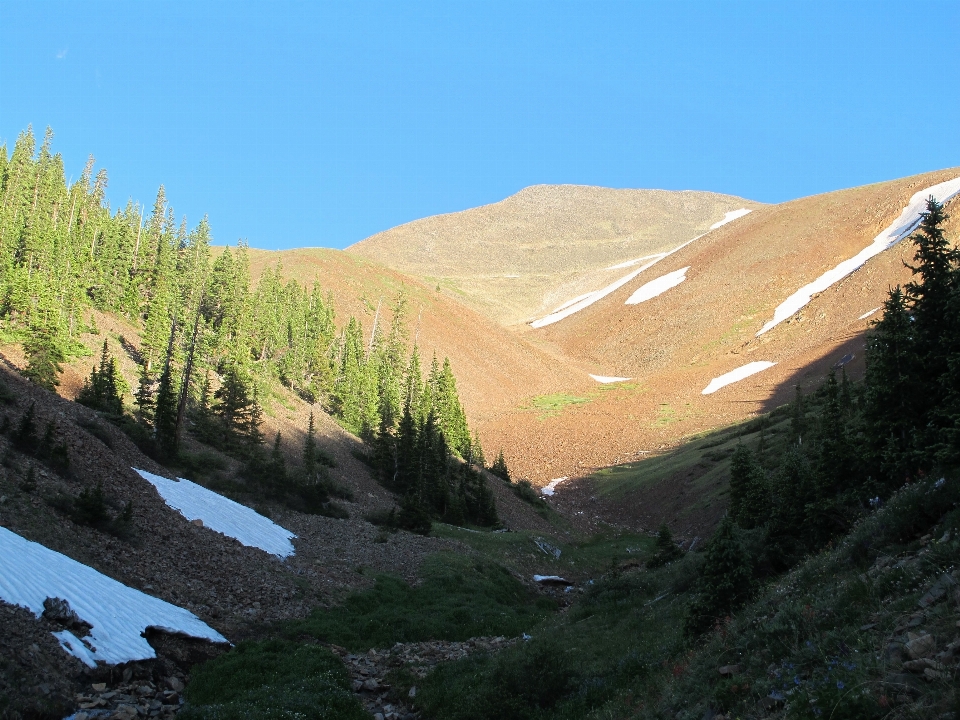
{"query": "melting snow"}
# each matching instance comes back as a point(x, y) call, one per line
point(656, 287)
point(901, 227)
point(730, 217)
point(118, 614)
point(606, 379)
point(631, 263)
point(222, 514)
point(578, 304)
point(734, 375)
point(552, 485)
point(577, 299)
point(868, 313)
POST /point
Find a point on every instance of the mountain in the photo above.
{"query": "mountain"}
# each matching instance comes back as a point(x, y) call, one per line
point(639, 369)
point(515, 259)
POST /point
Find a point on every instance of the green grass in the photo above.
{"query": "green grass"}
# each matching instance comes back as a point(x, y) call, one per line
point(551, 405)
point(580, 558)
point(589, 663)
point(272, 680)
point(554, 404)
point(811, 644)
point(459, 598)
point(708, 453)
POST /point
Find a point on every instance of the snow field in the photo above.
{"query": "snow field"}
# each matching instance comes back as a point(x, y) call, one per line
point(605, 379)
point(222, 514)
point(730, 217)
point(118, 614)
point(735, 375)
point(552, 486)
point(867, 314)
point(659, 286)
point(905, 224)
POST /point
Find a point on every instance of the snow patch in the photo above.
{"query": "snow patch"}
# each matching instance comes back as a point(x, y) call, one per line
point(577, 299)
point(552, 486)
point(578, 304)
point(72, 645)
point(905, 224)
point(607, 379)
point(735, 375)
point(868, 313)
point(591, 298)
point(118, 614)
point(657, 287)
point(222, 514)
point(631, 263)
point(730, 217)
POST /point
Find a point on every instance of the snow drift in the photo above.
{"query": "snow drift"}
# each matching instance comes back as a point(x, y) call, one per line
point(659, 286)
point(905, 224)
point(222, 514)
point(733, 376)
point(118, 614)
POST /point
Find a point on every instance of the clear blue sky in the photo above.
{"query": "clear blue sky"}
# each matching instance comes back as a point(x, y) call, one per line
point(320, 123)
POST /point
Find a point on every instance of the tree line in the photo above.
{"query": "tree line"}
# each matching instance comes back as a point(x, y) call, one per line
point(212, 343)
point(849, 445)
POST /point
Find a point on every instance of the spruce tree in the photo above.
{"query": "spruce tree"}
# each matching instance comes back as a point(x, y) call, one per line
point(500, 469)
point(666, 549)
point(43, 359)
point(749, 501)
point(892, 412)
point(310, 450)
point(725, 582)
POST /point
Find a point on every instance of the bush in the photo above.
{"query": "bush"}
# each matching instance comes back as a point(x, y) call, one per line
point(459, 598)
point(526, 492)
point(516, 685)
point(272, 680)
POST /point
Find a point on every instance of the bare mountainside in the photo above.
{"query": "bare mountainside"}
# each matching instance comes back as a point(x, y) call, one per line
point(518, 258)
point(673, 344)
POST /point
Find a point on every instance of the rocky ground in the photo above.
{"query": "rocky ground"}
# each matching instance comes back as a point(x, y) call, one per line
point(231, 587)
point(373, 673)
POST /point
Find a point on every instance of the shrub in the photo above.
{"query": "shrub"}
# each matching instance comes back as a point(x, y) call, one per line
point(272, 680)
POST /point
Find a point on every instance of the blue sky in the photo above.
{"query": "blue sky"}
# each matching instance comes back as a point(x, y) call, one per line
point(318, 123)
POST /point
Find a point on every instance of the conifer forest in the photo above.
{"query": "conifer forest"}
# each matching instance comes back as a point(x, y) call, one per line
point(212, 343)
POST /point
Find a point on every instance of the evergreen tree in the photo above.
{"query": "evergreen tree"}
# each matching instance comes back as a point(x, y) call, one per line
point(726, 580)
point(310, 450)
point(666, 549)
point(235, 404)
point(146, 396)
point(499, 467)
point(749, 500)
point(43, 359)
point(892, 412)
point(101, 390)
point(165, 413)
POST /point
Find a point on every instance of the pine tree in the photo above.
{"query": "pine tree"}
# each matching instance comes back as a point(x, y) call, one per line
point(666, 549)
point(892, 413)
point(749, 499)
point(43, 359)
point(165, 413)
point(310, 449)
point(235, 405)
point(500, 469)
point(726, 580)
point(101, 390)
point(146, 396)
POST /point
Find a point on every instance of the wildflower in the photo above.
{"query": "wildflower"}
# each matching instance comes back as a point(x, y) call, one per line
point(839, 684)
